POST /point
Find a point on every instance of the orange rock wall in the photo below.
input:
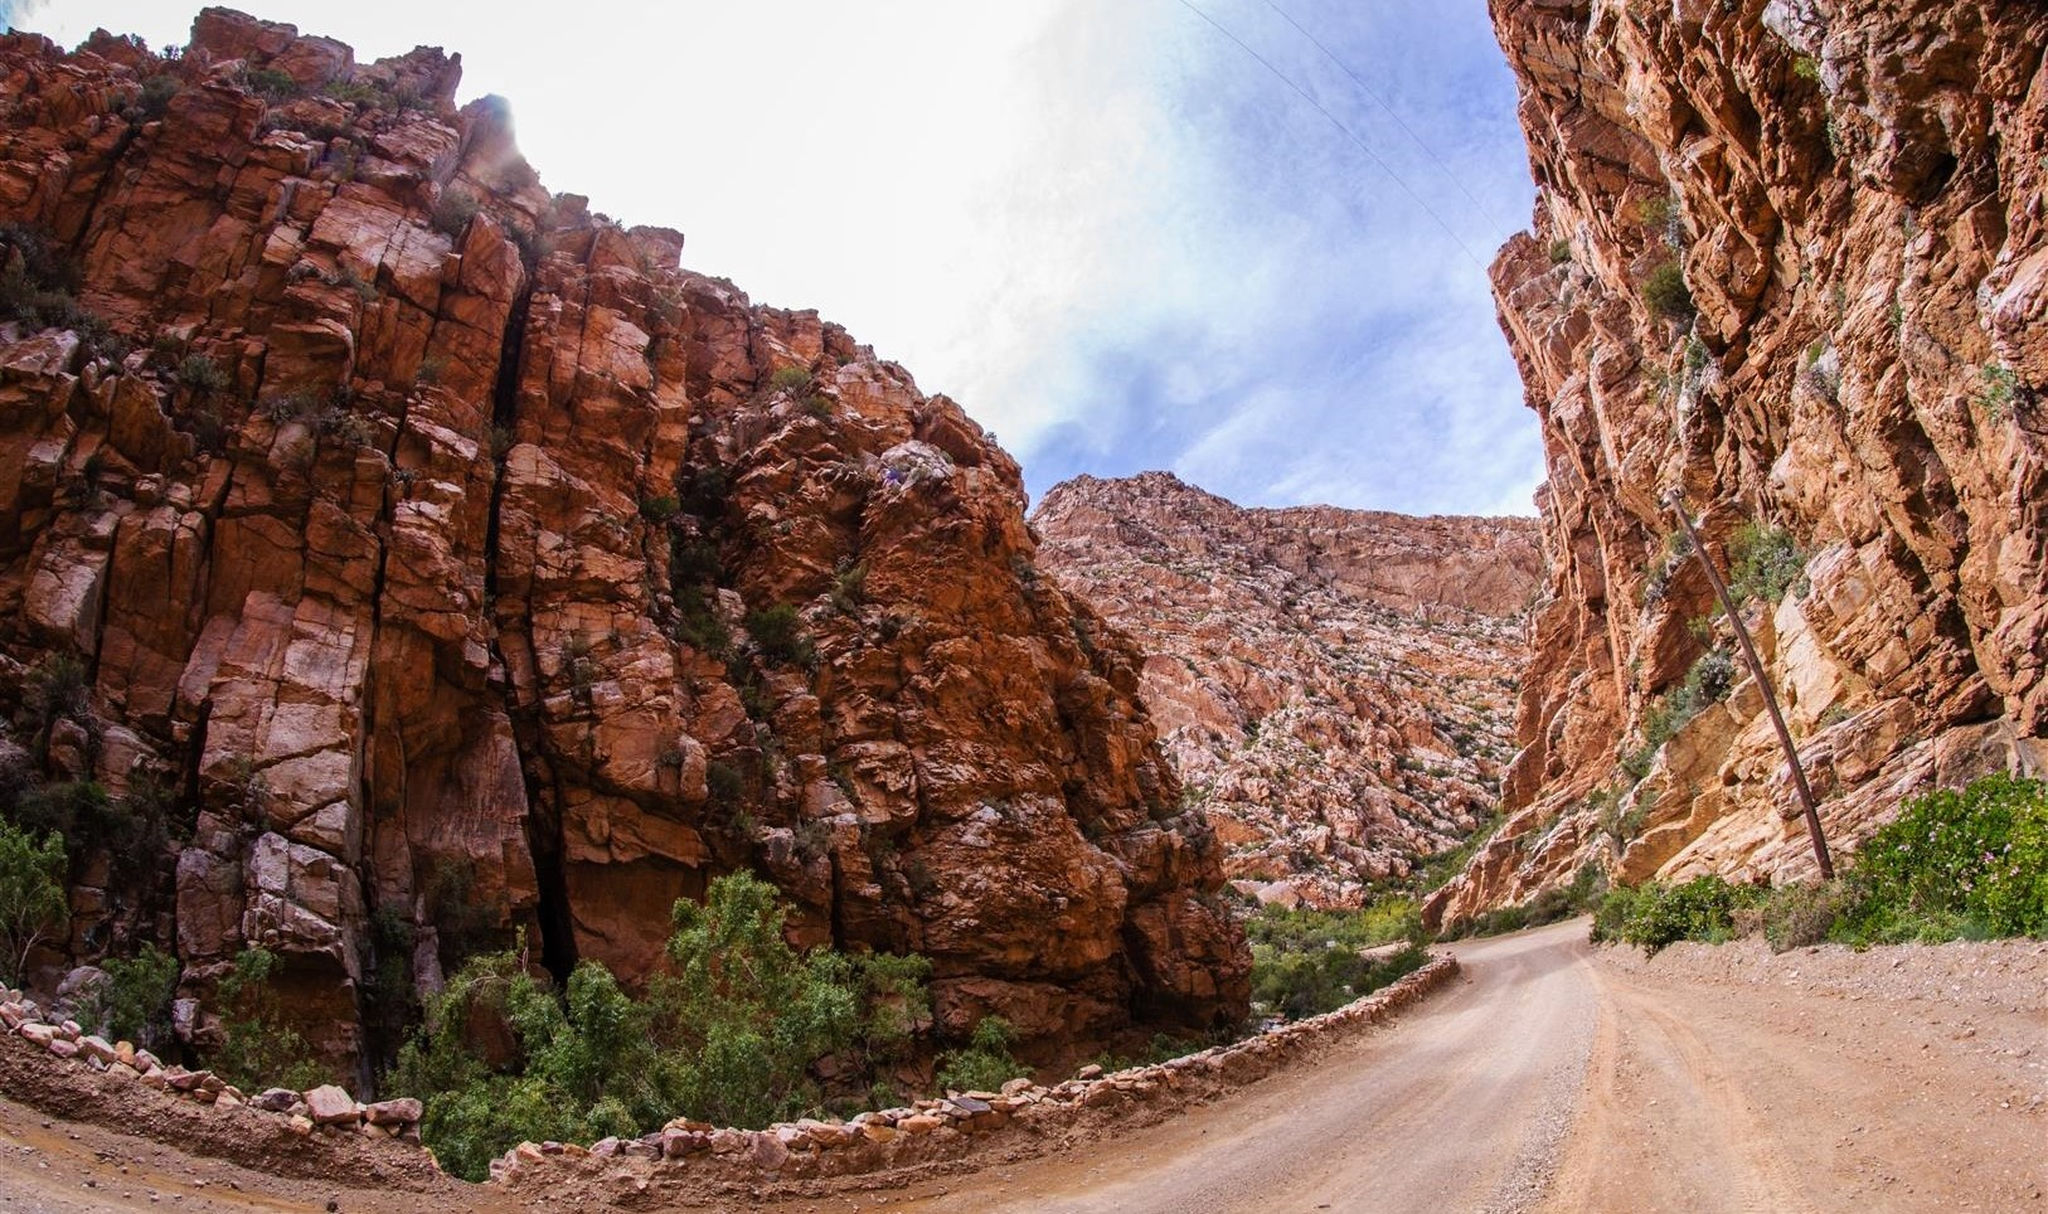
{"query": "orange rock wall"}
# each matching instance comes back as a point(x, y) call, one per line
point(435, 615)
point(1854, 191)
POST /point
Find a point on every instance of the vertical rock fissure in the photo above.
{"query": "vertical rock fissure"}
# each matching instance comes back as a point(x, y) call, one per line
point(543, 829)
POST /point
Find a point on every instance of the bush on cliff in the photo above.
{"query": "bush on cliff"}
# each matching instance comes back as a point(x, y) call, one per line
point(1969, 863)
point(135, 1003)
point(730, 1035)
point(259, 1046)
point(986, 1064)
point(32, 902)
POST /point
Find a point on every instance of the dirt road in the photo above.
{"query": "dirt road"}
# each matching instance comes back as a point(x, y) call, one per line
point(1560, 1077)
point(1552, 1076)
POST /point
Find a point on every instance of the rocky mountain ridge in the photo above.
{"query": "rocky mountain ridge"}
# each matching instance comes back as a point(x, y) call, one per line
point(1335, 687)
point(1790, 263)
point(413, 556)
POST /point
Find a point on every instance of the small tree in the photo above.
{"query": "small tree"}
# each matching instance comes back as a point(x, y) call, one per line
point(261, 1047)
point(136, 1001)
point(985, 1064)
point(32, 903)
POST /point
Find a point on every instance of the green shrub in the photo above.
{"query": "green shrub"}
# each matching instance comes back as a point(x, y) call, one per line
point(779, 633)
point(850, 590)
point(794, 380)
point(39, 284)
point(270, 84)
point(2001, 388)
point(1972, 861)
point(985, 1065)
point(136, 1001)
point(453, 211)
point(1807, 68)
point(32, 901)
point(1969, 863)
point(1795, 916)
point(259, 1047)
point(154, 98)
point(201, 374)
point(730, 1035)
point(1666, 293)
point(1306, 962)
point(1655, 914)
point(1766, 562)
point(1560, 251)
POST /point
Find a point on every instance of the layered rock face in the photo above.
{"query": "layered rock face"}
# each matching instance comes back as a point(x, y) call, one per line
point(1335, 687)
point(450, 563)
point(1853, 195)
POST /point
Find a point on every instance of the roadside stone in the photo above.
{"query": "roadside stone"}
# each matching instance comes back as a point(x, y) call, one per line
point(276, 1100)
point(37, 1034)
point(394, 1112)
point(919, 1124)
point(330, 1105)
point(1091, 1071)
point(63, 1048)
point(300, 1125)
point(770, 1154)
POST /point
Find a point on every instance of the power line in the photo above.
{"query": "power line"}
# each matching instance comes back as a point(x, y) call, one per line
point(1478, 207)
point(1320, 108)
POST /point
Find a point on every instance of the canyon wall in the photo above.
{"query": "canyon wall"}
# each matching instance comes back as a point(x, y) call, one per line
point(1336, 688)
point(424, 558)
point(1789, 263)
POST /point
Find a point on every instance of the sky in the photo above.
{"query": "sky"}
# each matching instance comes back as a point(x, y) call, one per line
point(1121, 237)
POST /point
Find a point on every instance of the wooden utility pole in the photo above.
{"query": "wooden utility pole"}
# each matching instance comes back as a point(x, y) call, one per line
point(1756, 668)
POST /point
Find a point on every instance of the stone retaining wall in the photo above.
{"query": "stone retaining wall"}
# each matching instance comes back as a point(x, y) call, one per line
point(325, 1107)
point(1023, 1119)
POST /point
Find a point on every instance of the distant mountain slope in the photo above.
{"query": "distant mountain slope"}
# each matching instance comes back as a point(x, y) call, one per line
point(1336, 687)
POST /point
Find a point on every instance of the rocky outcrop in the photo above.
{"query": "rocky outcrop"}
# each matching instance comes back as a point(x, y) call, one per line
point(1335, 687)
point(1788, 261)
point(442, 560)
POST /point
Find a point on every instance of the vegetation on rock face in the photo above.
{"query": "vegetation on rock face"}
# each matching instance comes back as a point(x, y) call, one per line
point(731, 1034)
point(1306, 962)
point(32, 902)
point(135, 1003)
point(1955, 864)
point(259, 1047)
point(1708, 682)
point(1666, 293)
point(985, 1065)
point(1765, 563)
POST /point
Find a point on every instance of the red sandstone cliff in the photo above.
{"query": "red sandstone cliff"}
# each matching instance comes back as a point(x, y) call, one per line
point(421, 535)
point(1335, 687)
point(1853, 193)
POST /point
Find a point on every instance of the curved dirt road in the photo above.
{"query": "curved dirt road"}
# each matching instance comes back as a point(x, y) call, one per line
point(1557, 1076)
point(1551, 1076)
